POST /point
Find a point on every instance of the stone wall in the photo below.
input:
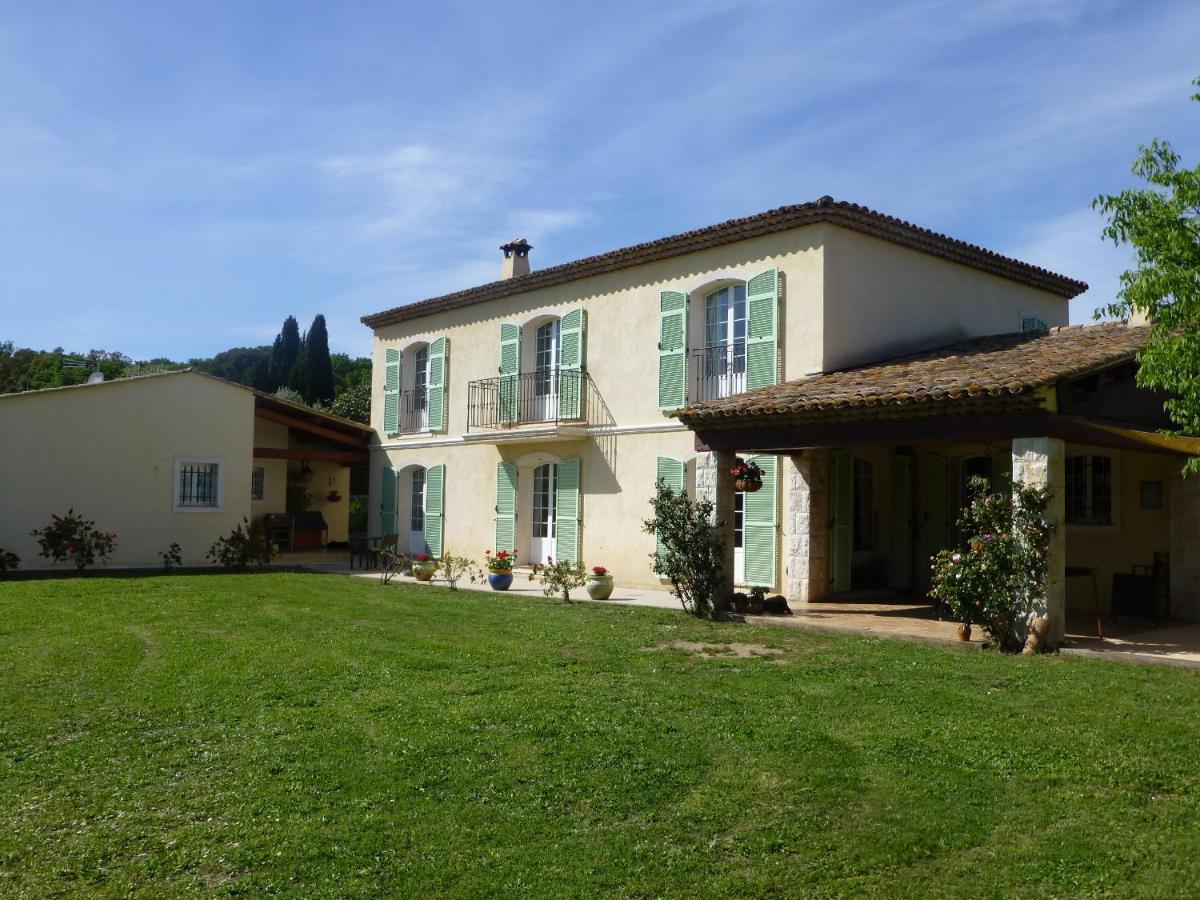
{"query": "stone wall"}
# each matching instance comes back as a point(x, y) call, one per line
point(1043, 461)
point(805, 531)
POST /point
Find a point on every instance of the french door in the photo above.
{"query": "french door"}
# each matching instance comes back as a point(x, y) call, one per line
point(544, 399)
point(416, 513)
point(723, 368)
point(545, 494)
point(421, 389)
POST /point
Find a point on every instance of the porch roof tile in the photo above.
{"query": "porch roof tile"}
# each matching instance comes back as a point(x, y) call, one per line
point(997, 366)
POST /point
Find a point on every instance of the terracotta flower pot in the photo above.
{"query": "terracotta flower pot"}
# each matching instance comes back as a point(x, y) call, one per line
point(423, 570)
point(746, 486)
point(599, 587)
point(964, 631)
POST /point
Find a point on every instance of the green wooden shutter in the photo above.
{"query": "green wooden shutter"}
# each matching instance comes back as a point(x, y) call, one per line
point(933, 512)
point(506, 507)
point(900, 558)
point(391, 391)
point(387, 502)
point(762, 329)
point(566, 511)
point(841, 540)
point(510, 370)
point(435, 504)
point(674, 473)
point(760, 526)
point(439, 352)
point(572, 353)
point(1032, 324)
point(672, 349)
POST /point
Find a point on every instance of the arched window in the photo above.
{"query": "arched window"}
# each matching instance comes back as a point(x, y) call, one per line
point(722, 360)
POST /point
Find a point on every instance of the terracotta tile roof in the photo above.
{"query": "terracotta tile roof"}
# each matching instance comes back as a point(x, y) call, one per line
point(999, 367)
point(826, 209)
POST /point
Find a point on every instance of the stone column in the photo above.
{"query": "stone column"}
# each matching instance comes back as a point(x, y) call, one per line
point(723, 461)
point(1043, 461)
point(806, 535)
point(1183, 500)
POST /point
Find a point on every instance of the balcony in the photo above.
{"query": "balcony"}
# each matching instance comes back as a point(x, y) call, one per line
point(413, 416)
point(547, 404)
point(716, 372)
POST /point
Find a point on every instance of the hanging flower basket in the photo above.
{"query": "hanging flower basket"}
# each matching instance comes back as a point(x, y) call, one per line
point(747, 476)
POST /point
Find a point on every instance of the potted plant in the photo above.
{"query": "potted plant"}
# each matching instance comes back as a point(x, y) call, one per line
point(747, 476)
point(423, 567)
point(500, 566)
point(599, 584)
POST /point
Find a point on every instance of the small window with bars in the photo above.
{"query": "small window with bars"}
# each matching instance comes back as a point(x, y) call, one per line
point(197, 485)
point(1089, 490)
point(258, 478)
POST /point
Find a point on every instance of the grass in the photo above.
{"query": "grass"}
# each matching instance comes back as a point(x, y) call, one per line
point(316, 735)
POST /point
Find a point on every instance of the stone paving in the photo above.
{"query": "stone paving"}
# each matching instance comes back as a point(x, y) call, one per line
point(1178, 644)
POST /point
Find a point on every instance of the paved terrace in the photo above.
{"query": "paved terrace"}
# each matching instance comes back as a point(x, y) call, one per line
point(1177, 644)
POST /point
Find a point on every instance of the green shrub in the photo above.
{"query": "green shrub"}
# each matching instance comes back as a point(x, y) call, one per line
point(242, 547)
point(693, 557)
point(997, 577)
point(76, 540)
point(8, 561)
point(171, 557)
point(558, 579)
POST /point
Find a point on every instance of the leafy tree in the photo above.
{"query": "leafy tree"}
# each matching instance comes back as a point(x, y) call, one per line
point(316, 368)
point(285, 354)
point(250, 366)
point(349, 372)
point(693, 557)
point(1162, 223)
point(353, 403)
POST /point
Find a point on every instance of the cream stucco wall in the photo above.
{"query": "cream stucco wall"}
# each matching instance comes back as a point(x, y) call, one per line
point(275, 436)
point(884, 300)
point(109, 452)
point(328, 477)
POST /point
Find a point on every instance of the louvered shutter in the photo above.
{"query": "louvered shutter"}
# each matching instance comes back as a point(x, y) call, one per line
point(506, 507)
point(900, 558)
point(1032, 324)
point(674, 473)
point(672, 349)
point(439, 352)
point(387, 502)
point(435, 504)
point(510, 370)
point(572, 352)
point(566, 511)
point(841, 543)
point(760, 526)
point(762, 329)
point(391, 391)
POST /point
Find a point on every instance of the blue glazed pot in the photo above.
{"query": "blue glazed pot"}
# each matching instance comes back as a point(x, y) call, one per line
point(500, 581)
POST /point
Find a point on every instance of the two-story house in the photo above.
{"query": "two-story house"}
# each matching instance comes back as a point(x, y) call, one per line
point(534, 413)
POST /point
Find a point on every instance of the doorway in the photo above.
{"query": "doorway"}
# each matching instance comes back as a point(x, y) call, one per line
point(544, 526)
point(416, 513)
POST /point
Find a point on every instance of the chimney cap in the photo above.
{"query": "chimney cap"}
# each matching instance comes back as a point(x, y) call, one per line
point(519, 246)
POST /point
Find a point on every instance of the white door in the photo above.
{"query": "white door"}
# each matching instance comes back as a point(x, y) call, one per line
point(723, 368)
point(739, 552)
point(416, 514)
point(420, 392)
point(545, 488)
point(544, 398)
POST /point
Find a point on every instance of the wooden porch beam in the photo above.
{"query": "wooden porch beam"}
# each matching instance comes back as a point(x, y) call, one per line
point(346, 457)
point(339, 437)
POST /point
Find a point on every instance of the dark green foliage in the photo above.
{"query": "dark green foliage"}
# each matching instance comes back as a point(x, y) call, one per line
point(74, 539)
point(1162, 224)
point(285, 355)
point(313, 735)
point(692, 557)
point(358, 516)
point(316, 368)
point(354, 403)
point(8, 561)
point(172, 557)
point(350, 372)
point(242, 547)
point(250, 366)
point(997, 578)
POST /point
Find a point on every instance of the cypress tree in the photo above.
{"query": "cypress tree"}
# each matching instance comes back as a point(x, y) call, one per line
point(285, 354)
point(317, 368)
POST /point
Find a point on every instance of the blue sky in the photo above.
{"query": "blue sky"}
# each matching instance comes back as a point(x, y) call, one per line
point(178, 177)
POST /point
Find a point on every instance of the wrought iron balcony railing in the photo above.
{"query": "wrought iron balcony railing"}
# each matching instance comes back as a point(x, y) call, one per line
point(549, 396)
point(715, 372)
point(414, 411)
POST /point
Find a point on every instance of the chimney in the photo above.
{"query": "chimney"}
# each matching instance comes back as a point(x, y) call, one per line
point(516, 258)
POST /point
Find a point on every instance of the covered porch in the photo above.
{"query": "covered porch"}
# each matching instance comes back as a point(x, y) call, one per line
point(874, 464)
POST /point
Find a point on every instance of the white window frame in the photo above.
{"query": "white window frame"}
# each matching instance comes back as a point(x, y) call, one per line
point(180, 462)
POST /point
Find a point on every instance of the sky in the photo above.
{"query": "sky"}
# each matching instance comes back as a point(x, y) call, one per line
point(176, 178)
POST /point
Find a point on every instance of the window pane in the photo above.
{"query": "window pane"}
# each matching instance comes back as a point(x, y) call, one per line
point(257, 480)
point(1101, 489)
point(198, 484)
point(417, 505)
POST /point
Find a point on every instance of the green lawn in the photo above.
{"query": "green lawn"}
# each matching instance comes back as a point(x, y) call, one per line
point(311, 734)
